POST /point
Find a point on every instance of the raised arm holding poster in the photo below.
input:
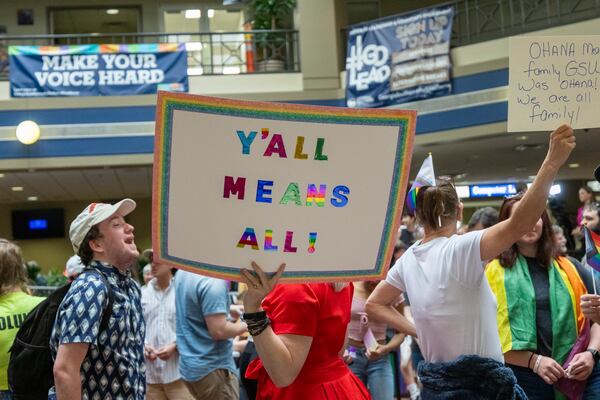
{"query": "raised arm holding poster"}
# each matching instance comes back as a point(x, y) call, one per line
point(319, 188)
point(553, 80)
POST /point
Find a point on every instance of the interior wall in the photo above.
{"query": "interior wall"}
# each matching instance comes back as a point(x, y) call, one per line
point(53, 253)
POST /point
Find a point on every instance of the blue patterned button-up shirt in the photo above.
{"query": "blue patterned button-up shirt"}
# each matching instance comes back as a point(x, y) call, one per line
point(114, 366)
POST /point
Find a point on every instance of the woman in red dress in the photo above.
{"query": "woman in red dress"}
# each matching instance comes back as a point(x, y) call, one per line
point(299, 332)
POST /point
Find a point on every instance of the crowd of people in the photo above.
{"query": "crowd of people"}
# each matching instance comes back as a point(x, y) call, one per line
point(494, 309)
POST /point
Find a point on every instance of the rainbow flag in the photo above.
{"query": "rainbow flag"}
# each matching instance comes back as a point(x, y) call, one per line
point(425, 177)
point(592, 248)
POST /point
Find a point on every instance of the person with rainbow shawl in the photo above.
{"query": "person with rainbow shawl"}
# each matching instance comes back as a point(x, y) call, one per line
point(545, 337)
point(453, 307)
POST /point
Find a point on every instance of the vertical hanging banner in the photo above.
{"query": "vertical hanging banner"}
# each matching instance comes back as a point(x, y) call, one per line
point(97, 69)
point(553, 80)
point(399, 59)
point(319, 188)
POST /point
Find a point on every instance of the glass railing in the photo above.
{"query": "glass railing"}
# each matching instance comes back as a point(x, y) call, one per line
point(209, 53)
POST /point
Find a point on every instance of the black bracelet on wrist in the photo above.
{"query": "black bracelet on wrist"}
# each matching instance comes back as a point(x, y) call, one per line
point(255, 329)
point(257, 316)
point(256, 324)
point(529, 361)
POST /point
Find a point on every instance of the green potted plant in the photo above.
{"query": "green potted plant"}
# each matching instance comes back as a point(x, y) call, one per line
point(268, 14)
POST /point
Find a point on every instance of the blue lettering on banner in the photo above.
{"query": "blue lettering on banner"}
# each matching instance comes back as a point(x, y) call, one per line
point(97, 70)
point(398, 59)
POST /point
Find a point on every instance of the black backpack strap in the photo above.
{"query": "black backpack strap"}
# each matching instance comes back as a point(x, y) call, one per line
point(111, 299)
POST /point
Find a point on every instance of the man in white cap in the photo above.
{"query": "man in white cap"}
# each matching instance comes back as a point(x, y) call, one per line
point(98, 357)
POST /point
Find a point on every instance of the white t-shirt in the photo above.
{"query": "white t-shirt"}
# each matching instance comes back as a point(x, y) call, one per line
point(451, 301)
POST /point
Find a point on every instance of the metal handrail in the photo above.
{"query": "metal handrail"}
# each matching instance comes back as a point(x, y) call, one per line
point(209, 53)
point(135, 34)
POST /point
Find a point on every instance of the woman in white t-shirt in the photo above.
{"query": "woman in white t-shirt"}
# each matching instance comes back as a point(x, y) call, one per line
point(443, 274)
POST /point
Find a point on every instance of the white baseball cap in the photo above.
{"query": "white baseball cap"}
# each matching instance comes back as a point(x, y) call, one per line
point(94, 214)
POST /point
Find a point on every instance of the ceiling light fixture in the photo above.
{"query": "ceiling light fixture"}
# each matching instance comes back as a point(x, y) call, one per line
point(112, 11)
point(522, 137)
point(1, 175)
point(193, 14)
point(28, 132)
point(17, 188)
point(32, 198)
point(574, 165)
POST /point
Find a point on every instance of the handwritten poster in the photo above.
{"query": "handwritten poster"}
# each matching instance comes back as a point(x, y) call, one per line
point(552, 80)
point(319, 188)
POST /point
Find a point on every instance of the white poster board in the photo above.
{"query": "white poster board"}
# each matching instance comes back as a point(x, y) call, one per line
point(318, 188)
point(553, 80)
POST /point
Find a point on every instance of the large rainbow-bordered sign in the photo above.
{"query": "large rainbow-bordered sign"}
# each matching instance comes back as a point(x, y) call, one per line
point(319, 188)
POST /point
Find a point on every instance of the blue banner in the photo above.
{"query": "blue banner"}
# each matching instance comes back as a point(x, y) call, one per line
point(399, 59)
point(97, 69)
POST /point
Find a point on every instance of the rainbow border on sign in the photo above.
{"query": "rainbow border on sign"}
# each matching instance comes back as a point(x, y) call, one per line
point(96, 49)
point(168, 102)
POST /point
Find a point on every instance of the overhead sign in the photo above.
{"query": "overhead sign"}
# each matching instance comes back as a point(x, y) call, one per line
point(399, 59)
point(492, 190)
point(97, 69)
point(553, 80)
point(318, 188)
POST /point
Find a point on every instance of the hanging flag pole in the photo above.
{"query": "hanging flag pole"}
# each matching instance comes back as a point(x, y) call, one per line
point(425, 177)
point(592, 252)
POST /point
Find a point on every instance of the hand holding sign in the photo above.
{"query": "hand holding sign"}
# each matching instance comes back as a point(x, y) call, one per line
point(562, 143)
point(259, 286)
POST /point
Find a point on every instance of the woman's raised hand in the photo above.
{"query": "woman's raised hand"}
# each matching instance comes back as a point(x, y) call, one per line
point(562, 143)
point(259, 286)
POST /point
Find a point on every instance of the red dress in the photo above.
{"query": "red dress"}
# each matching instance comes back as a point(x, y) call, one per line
point(316, 310)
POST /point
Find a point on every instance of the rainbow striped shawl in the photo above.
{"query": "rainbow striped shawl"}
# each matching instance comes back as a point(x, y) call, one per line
point(516, 305)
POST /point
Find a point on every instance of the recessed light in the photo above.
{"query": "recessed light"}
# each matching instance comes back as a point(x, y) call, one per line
point(522, 137)
point(532, 177)
point(574, 165)
point(192, 14)
point(32, 198)
point(112, 11)
point(17, 188)
point(1, 175)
